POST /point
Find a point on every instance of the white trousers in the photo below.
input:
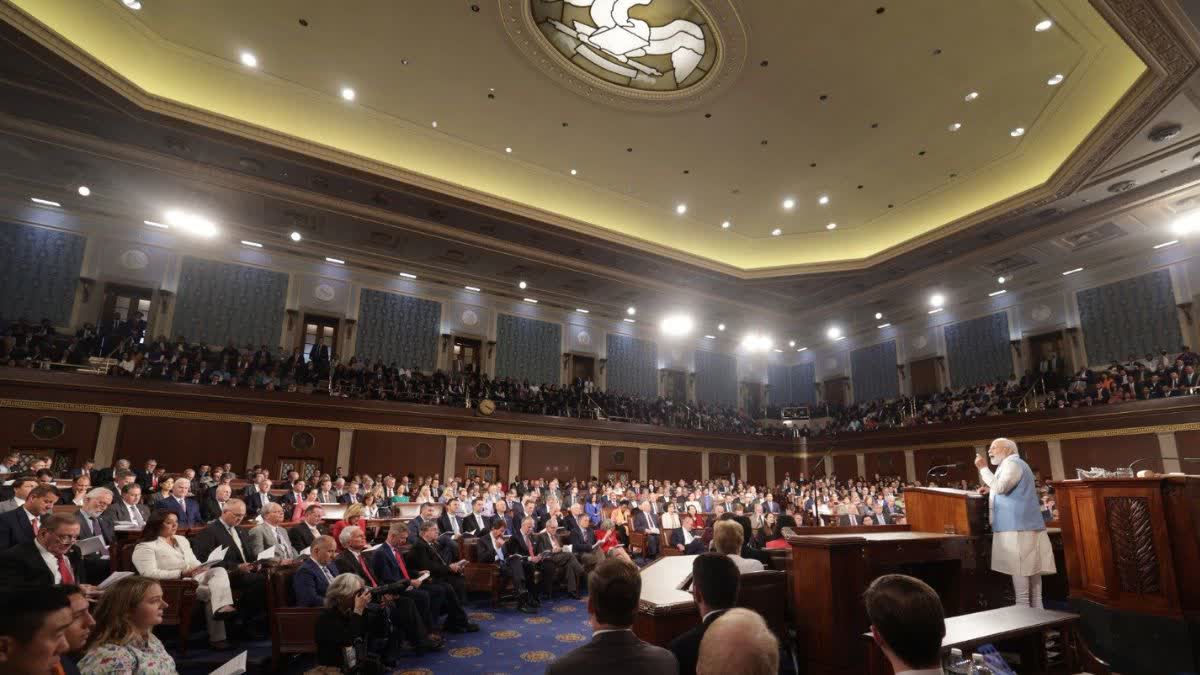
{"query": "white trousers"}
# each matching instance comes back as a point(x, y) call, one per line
point(215, 593)
point(1028, 591)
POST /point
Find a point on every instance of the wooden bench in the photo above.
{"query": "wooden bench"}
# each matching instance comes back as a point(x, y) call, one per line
point(293, 629)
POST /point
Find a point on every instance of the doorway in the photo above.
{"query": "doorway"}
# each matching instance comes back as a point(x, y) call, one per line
point(924, 376)
point(752, 400)
point(583, 368)
point(319, 332)
point(122, 302)
point(675, 385)
point(307, 468)
point(1047, 357)
point(466, 356)
point(835, 391)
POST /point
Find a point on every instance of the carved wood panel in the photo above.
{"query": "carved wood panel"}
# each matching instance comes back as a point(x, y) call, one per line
point(1131, 532)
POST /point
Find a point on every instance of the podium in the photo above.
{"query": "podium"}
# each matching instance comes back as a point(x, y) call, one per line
point(946, 510)
point(1132, 550)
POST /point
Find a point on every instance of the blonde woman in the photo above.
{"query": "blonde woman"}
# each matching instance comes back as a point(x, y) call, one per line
point(123, 640)
point(352, 517)
point(425, 496)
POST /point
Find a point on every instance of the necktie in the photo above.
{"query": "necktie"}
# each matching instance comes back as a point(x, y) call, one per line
point(65, 570)
point(135, 515)
point(499, 550)
point(281, 543)
point(400, 560)
point(454, 523)
point(363, 563)
point(529, 545)
point(328, 576)
point(96, 531)
point(33, 522)
point(237, 542)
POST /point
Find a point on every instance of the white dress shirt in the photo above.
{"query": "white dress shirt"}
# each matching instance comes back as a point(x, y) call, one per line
point(50, 560)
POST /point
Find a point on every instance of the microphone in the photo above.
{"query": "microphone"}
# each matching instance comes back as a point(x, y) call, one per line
point(942, 469)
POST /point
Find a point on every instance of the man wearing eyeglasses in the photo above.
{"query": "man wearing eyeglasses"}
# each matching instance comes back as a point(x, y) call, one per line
point(50, 559)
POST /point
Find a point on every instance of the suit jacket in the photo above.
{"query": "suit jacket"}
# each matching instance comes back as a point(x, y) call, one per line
point(422, 556)
point(618, 651)
point(844, 521)
point(510, 525)
point(346, 499)
point(695, 548)
point(582, 541)
point(255, 502)
point(686, 647)
point(262, 537)
point(348, 564)
point(386, 569)
point(516, 545)
point(118, 512)
point(210, 509)
point(486, 551)
point(143, 478)
point(309, 583)
point(216, 535)
point(444, 522)
point(22, 566)
point(86, 531)
point(188, 516)
point(302, 537)
point(643, 522)
point(15, 529)
point(476, 524)
point(288, 502)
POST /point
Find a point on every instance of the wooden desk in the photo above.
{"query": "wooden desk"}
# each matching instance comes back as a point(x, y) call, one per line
point(664, 610)
point(969, 631)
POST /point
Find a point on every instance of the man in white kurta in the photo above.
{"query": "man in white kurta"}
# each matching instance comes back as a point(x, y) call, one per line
point(1020, 545)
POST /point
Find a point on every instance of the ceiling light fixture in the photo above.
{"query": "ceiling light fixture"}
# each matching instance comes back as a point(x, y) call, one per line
point(1001, 280)
point(249, 60)
point(1166, 244)
point(831, 226)
point(789, 204)
point(434, 124)
point(1043, 25)
point(936, 310)
point(681, 209)
point(473, 289)
point(834, 332)
point(1056, 79)
point(335, 261)
point(583, 311)
point(676, 325)
point(710, 337)
point(757, 343)
point(574, 172)
point(295, 236)
point(522, 285)
point(349, 94)
point(191, 223)
point(721, 326)
point(791, 343)
point(802, 349)
point(408, 275)
point(44, 202)
point(777, 351)
point(1070, 272)
point(883, 325)
point(726, 225)
point(955, 126)
point(971, 96)
point(629, 320)
point(152, 223)
point(251, 244)
point(530, 301)
point(132, 4)
point(995, 293)
point(631, 310)
point(84, 191)
point(878, 315)
point(508, 150)
point(1187, 223)
point(776, 232)
point(823, 200)
point(937, 300)
point(1018, 132)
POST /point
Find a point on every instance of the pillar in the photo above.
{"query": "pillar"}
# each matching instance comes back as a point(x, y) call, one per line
point(1056, 460)
point(345, 442)
point(704, 465)
point(910, 466)
point(106, 440)
point(258, 437)
point(861, 460)
point(451, 457)
point(643, 461)
point(594, 465)
point(770, 471)
point(1169, 452)
point(743, 469)
point(828, 464)
point(514, 459)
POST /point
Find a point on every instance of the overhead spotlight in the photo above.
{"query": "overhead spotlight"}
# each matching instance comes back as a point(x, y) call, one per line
point(251, 244)
point(434, 124)
point(249, 60)
point(522, 285)
point(1055, 79)
point(84, 191)
point(574, 172)
point(823, 200)
point(831, 226)
point(152, 223)
point(508, 150)
point(349, 94)
point(726, 225)
point(335, 261)
point(883, 325)
point(937, 300)
point(583, 311)
point(776, 232)
point(791, 343)
point(789, 203)
point(45, 202)
point(631, 311)
point(132, 4)
point(878, 315)
point(721, 326)
point(995, 293)
point(1001, 280)
point(530, 301)
point(295, 236)
point(833, 333)
point(1070, 272)
point(1166, 244)
point(971, 96)
point(1043, 25)
point(955, 126)
point(676, 325)
point(473, 289)
point(757, 343)
point(408, 275)
point(1018, 132)
point(191, 223)
point(1184, 225)
point(681, 209)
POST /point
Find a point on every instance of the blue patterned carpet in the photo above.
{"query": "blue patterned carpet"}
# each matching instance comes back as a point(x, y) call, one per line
point(508, 642)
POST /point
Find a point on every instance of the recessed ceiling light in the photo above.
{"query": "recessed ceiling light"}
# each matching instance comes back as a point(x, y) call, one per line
point(252, 244)
point(434, 124)
point(44, 202)
point(249, 60)
point(631, 311)
point(839, 339)
point(995, 293)
point(776, 232)
point(629, 320)
point(522, 285)
point(937, 300)
point(757, 343)
point(936, 310)
point(789, 203)
point(574, 172)
point(530, 301)
point(1186, 224)
point(681, 209)
point(1043, 25)
point(335, 261)
point(834, 332)
point(1055, 79)
point(831, 226)
point(84, 191)
point(883, 325)
point(1166, 243)
point(1070, 272)
point(583, 311)
point(676, 325)
point(152, 223)
point(823, 200)
point(971, 96)
point(1001, 280)
point(710, 337)
point(720, 326)
point(1019, 131)
point(132, 4)
point(802, 349)
point(349, 94)
point(791, 343)
point(777, 351)
point(726, 225)
point(295, 236)
point(191, 223)
point(955, 126)
point(408, 275)
point(473, 289)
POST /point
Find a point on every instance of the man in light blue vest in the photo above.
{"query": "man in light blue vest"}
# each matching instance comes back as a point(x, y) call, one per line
point(1020, 545)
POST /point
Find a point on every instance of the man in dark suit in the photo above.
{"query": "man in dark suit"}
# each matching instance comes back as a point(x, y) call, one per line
point(645, 521)
point(583, 544)
point(492, 548)
point(683, 539)
point(476, 524)
point(424, 557)
point(614, 588)
point(20, 525)
point(305, 532)
point(312, 578)
point(503, 515)
point(129, 508)
point(211, 507)
point(243, 570)
point(147, 478)
point(524, 544)
point(88, 469)
point(91, 524)
point(447, 545)
point(259, 497)
point(390, 565)
point(715, 580)
point(184, 507)
point(24, 565)
point(351, 496)
point(555, 560)
point(291, 499)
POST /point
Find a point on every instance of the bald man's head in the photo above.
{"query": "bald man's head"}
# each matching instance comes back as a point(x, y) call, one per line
point(757, 652)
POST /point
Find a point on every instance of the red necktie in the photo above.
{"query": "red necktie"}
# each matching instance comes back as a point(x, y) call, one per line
point(400, 559)
point(35, 524)
point(529, 546)
point(65, 570)
point(363, 562)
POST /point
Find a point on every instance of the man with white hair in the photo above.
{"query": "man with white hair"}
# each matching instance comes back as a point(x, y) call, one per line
point(1020, 545)
point(269, 534)
point(757, 651)
point(95, 502)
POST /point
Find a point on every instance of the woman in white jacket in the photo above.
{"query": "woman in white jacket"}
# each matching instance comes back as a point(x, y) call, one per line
point(161, 554)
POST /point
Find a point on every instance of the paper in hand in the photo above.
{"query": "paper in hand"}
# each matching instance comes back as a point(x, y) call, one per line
point(234, 666)
point(92, 546)
point(113, 578)
point(217, 555)
point(267, 553)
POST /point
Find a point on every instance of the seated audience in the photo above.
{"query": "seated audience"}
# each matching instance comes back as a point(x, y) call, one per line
point(646, 521)
point(757, 651)
point(19, 525)
point(245, 577)
point(727, 539)
point(343, 624)
point(92, 525)
point(165, 489)
point(312, 526)
point(33, 629)
point(715, 582)
point(614, 588)
point(50, 559)
point(563, 563)
point(80, 485)
point(183, 506)
point(907, 622)
point(128, 510)
point(21, 486)
point(163, 554)
point(312, 578)
point(352, 517)
point(685, 540)
point(494, 549)
point(777, 541)
point(423, 557)
point(123, 640)
point(270, 534)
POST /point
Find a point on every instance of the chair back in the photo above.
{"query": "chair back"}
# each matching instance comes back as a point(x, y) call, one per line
point(126, 560)
point(293, 629)
point(766, 592)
